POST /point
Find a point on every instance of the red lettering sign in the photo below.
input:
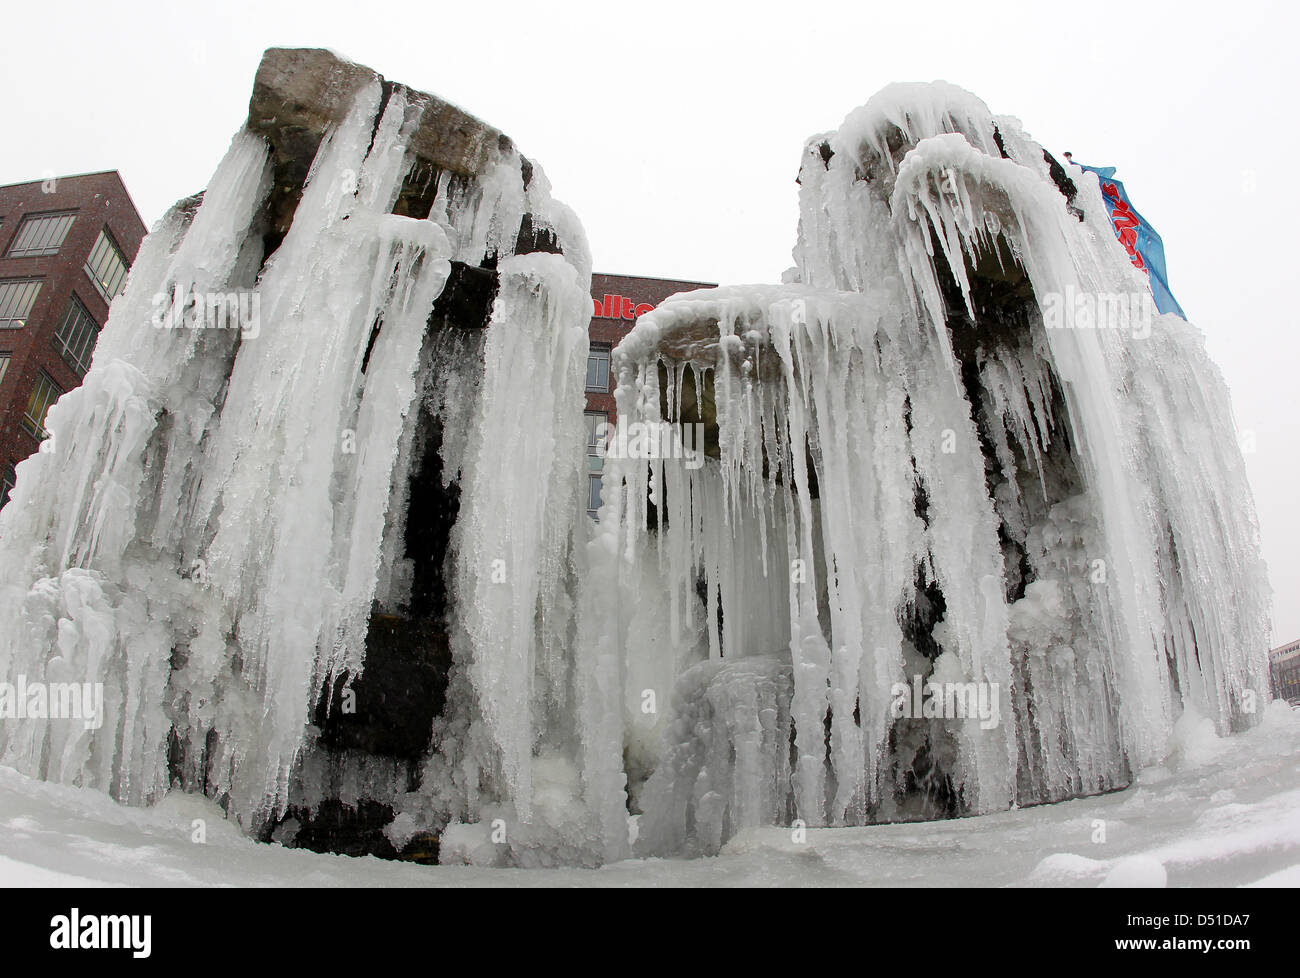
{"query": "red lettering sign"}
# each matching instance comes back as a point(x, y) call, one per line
point(619, 307)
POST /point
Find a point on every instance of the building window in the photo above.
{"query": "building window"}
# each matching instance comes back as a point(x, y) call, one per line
point(4, 365)
point(17, 296)
point(76, 337)
point(107, 267)
point(44, 394)
point(595, 450)
point(598, 369)
point(41, 234)
point(7, 482)
point(595, 457)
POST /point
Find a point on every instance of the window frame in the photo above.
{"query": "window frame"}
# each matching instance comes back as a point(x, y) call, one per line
point(598, 352)
point(106, 236)
point(8, 480)
point(29, 424)
point(31, 304)
point(593, 439)
point(47, 250)
point(65, 348)
point(595, 469)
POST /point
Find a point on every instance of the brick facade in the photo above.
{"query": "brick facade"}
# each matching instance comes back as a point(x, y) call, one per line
point(95, 201)
point(625, 296)
point(1284, 672)
point(616, 302)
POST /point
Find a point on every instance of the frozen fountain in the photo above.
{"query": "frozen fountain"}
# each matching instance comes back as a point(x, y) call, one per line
point(330, 564)
point(938, 464)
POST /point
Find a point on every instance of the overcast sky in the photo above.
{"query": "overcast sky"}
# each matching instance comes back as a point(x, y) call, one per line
point(674, 130)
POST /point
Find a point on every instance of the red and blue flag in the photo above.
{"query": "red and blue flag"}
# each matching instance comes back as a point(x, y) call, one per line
point(1144, 247)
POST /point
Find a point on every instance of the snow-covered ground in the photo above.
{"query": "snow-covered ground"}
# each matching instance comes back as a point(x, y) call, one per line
point(1218, 813)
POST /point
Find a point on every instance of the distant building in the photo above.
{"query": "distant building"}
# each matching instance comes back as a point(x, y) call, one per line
point(1284, 672)
point(617, 301)
point(66, 244)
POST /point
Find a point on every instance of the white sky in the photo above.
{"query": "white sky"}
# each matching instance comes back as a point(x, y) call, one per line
point(674, 130)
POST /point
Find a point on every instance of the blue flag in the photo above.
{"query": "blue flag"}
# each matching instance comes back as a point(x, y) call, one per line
point(1138, 237)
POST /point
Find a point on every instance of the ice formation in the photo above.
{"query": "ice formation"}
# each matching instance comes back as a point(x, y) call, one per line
point(923, 472)
point(218, 511)
point(912, 472)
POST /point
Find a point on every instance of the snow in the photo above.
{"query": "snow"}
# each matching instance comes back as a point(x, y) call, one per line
point(1289, 877)
point(56, 835)
point(1137, 872)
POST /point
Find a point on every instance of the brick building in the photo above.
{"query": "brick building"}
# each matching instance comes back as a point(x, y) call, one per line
point(617, 300)
point(1284, 672)
point(66, 244)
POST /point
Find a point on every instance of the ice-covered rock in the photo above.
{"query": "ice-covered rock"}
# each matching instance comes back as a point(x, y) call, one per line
point(226, 507)
point(934, 468)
